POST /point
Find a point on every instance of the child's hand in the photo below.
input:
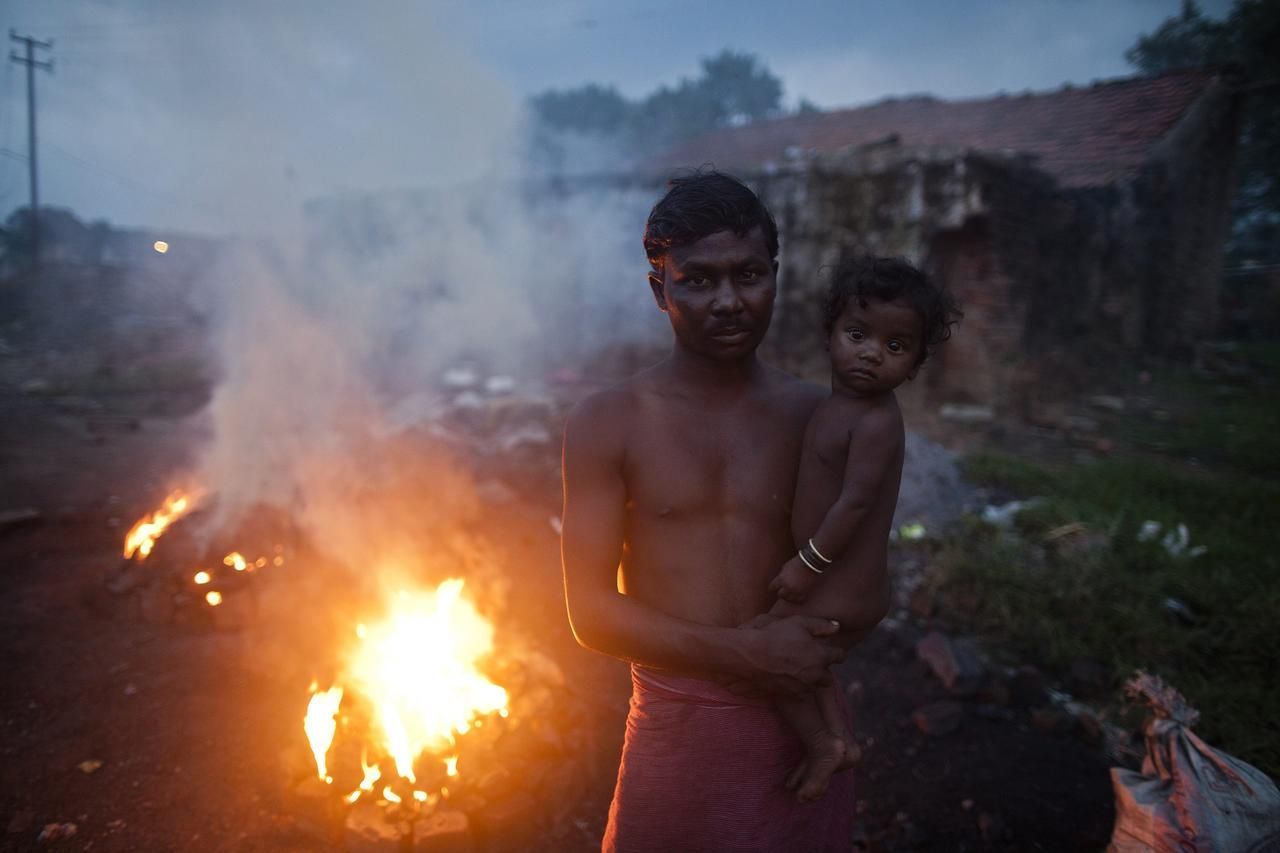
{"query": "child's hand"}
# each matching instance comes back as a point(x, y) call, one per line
point(794, 582)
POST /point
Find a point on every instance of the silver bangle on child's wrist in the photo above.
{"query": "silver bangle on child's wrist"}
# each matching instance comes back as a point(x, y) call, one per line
point(818, 553)
point(805, 560)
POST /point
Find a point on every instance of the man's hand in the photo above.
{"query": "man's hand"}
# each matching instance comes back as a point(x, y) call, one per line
point(790, 654)
point(794, 582)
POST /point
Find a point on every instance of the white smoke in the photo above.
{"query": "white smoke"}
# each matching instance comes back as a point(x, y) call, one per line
point(356, 301)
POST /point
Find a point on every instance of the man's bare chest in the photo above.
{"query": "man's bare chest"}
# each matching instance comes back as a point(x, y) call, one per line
point(696, 465)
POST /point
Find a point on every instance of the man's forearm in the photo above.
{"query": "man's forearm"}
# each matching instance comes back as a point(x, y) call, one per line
point(620, 626)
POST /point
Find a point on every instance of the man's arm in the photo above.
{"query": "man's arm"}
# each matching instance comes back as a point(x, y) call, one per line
point(607, 621)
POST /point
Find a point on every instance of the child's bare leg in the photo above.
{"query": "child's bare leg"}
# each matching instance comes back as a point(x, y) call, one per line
point(829, 708)
point(824, 748)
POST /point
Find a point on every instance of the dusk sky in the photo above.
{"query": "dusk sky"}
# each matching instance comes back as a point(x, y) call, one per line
point(225, 116)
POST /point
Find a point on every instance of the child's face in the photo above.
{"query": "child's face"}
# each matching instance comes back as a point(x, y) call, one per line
point(875, 346)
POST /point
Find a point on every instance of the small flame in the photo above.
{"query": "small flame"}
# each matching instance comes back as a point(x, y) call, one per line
point(213, 597)
point(143, 535)
point(390, 795)
point(451, 765)
point(202, 578)
point(320, 725)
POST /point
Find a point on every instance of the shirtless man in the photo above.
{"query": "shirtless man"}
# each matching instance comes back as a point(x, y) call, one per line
point(678, 488)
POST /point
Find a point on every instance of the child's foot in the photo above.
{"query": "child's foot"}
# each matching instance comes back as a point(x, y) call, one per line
point(852, 755)
point(824, 755)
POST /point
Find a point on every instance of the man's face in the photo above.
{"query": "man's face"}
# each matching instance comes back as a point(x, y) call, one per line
point(875, 346)
point(718, 294)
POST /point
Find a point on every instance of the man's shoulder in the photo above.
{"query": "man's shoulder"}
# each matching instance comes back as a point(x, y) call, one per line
point(604, 415)
point(793, 393)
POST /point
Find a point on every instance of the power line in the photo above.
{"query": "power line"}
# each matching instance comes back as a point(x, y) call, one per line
point(32, 65)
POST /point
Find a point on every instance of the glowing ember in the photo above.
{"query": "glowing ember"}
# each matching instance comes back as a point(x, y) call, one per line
point(213, 597)
point(390, 795)
point(451, 765)
point(143, 535)
point(202, 578)
point(371, 775)
point(235, 561)
point(320, 725)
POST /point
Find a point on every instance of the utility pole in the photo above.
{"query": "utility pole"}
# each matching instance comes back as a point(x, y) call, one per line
point(32, 64)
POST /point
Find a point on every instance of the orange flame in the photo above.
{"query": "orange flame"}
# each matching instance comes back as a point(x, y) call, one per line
point(320, 725)
point(419, 670)
point(143, 535)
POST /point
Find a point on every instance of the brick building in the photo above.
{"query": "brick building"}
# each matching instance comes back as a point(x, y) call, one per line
point(1078, 226)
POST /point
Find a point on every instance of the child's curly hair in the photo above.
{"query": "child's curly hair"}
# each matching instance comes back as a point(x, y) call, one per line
point(889, 280)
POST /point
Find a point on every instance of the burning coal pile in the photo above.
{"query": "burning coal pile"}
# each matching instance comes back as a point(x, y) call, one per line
point(418, 716)
point(359, 540)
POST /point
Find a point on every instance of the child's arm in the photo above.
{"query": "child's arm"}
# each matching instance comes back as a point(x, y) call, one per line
point(873, 446)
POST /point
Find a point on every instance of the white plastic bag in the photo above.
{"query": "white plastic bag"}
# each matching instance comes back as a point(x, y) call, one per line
point(1189, 797)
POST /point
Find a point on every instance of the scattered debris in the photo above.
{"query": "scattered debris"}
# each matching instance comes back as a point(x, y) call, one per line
point(954, 662)
point(964, 414)
point(1176, 540)
point(1052, 719)
point(1188, 795)
point(911, 532)
point(1179, 610)
point(1079, 423)
point(459, 378)
point(499, 385)
point(12, 519)
point(56, 832)
point(1107, 402)
point(938, 718)
point(1002, 515)
point(35, 386)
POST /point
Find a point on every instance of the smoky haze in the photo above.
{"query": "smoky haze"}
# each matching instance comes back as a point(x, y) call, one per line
point(385, 221)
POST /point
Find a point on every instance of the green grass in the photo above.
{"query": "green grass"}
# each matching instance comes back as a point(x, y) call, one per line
point(1056, 601)
point(1218, 423)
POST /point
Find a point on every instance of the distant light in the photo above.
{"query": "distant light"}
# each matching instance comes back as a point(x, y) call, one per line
point(203, 578)
point(213, 597)
point(160, 246)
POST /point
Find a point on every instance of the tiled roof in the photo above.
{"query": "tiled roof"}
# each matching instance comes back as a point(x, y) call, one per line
point(1083, 136)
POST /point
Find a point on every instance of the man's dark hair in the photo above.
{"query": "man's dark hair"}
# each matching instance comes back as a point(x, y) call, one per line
point(890, 280)
point(703, 204)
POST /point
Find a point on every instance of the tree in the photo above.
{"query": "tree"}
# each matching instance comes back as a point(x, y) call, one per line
point(1244, 40)
point(732, 88)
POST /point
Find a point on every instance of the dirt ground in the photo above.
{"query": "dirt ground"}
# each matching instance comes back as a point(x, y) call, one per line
point(190, 740)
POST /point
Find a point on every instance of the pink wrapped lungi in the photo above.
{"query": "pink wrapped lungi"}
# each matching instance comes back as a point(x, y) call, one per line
point(703, 769)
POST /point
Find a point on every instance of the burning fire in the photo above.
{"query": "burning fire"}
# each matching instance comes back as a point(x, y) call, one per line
point(143, 535)
point(320, 725)
point(418, 670)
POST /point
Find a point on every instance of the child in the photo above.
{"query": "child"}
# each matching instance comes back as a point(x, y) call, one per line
point(883, 318)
